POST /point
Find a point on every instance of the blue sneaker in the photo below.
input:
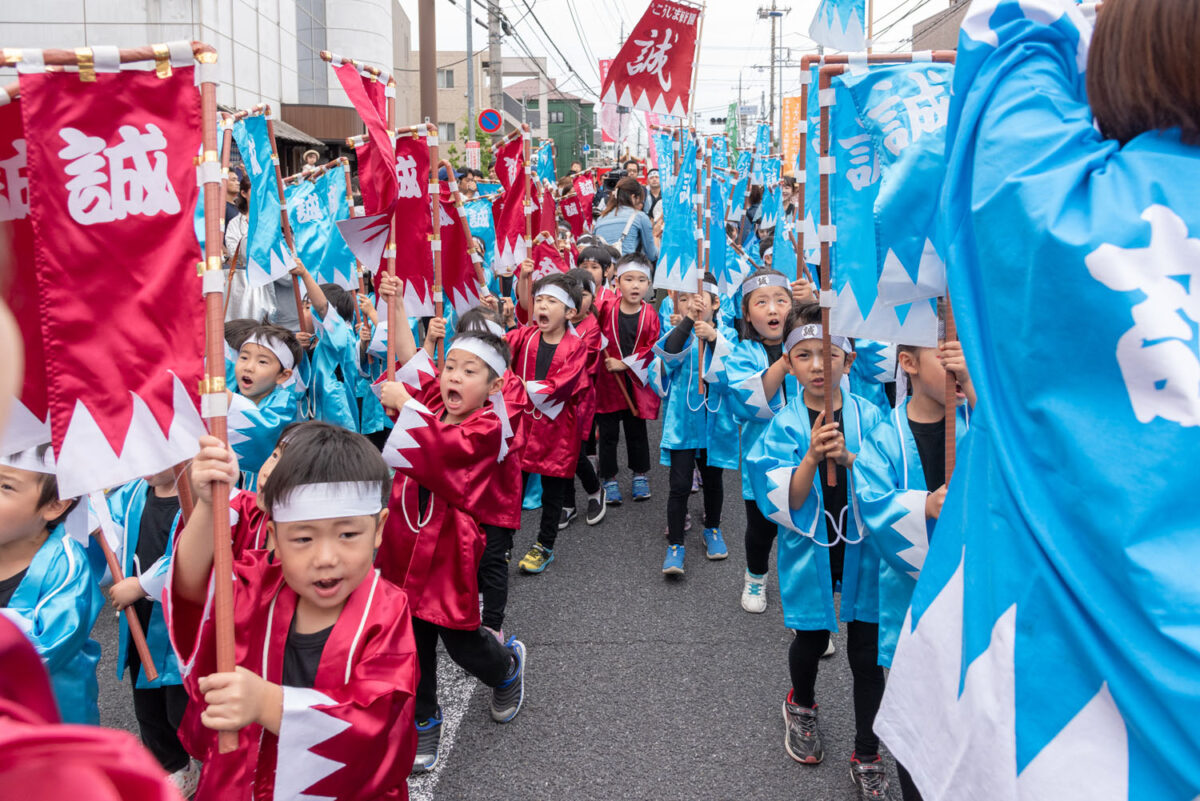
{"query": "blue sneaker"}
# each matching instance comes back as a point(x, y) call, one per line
point(612, 493)
point(509, 695)
point(673, 564)
point(714, 544)
point(429, 738)
point(641, 488)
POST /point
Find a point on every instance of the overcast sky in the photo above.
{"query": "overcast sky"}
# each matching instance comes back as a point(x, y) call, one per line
point(735, 41)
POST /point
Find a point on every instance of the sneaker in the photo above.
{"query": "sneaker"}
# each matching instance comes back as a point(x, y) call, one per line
point(497, 633)
point(187, 778)
point(802, 738)
point(429, 738)
point(612, 493)
point(508, 557)
point(687, 525)
point(595, 509)
point(641, 488)
point(508, 696)
point(754, 593)
point(537, 560)
point(830, 649)
point(870, 778)
point(714, 544)
point(673, 564)
point(566, 517)
point(697, 482)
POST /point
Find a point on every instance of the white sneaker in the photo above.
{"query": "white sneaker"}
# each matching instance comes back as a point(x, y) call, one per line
point(754, 593)
point(830, 649)
point(187, 779)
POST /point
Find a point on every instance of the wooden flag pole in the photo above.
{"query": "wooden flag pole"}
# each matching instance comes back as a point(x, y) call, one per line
point(284, 222)
point(435, 237)
point(214, 398)
point(826, 283)
point(393, 316)
point(702, 174)
point(358, 267)
point(136, 633)
point(462, 217)
point(526, 151)
point(225, 129)
point(951, 391)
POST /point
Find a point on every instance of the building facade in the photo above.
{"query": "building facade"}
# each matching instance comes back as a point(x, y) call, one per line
point(570, 120)
point(940, 32)
point(452, 69)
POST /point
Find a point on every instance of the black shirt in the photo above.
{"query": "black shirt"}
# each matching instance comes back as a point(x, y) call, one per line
point(679, 336)
point(302, 656)
point(8, 586)
point(627, 331)
point(931, 446)
point(157, 519)
point(545, 355)
point(835, 504)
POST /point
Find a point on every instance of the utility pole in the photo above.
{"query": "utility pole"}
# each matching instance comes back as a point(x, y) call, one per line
point(774, 13)
point(470, 76)
point(427, 41)
point(495, 66)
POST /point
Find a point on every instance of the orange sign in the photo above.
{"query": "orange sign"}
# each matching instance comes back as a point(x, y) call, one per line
point(793, 117)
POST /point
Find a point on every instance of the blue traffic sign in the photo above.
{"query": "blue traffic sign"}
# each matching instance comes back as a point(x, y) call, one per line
point(490, 120)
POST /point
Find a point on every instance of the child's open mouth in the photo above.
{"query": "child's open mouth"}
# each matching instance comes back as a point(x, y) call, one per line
point(543, 320)
point(246, 382)
point(327, 588)
point(453, 398)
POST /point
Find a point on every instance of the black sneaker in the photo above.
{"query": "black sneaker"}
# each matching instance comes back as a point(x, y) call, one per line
point(429, 738)
point(870, 778)
point(802, 738)
point(508, 696)
point(596, 509)
point(564, 519)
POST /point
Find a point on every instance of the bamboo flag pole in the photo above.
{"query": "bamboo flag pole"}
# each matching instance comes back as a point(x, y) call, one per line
point(703, 173)
point(826, 282)
point(225, 129)
point(435, 237)
point(390, 252)
point(526, 151)
point(696, 61)
point(136, 633)
point(951, 390)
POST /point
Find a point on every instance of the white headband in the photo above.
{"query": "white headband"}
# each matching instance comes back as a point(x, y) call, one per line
point(324, 501)
point(815, 331)
point(281, 351)
point(558, 293)
point(29, 460)
point(495, 328)
point(763, 281)
point(630, 266)
point(477, 347)
point(709, 286)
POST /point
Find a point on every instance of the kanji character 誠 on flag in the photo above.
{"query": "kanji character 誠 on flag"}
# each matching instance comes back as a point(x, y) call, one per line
point(653, 71)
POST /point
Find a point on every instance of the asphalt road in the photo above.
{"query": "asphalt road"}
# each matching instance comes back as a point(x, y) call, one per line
point(637, 687)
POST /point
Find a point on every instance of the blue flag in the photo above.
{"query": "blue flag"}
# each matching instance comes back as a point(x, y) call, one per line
point(677, 268)
point(1053, 645)
point(783, 251)
point(664, 145)
point(887, 134)
point(772, 193)
point(265, 250)
point(479, 218)
point(762, 149)
point(840, 24)
point(720, 151)
point(198, 210)
point(545, 163)
point(812, 176)
point(718, 199)
point(737, 198)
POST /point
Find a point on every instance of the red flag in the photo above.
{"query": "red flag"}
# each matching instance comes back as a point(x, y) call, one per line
point(28, 423)
point(547, 259)
point(458, 270)
point(112, 189)
point(510, 219)
point(585, 190)
point(653, 71)
point(414, 225)
point(610, 117)
point(376, 174)
point(547, 214)
point(572, 214)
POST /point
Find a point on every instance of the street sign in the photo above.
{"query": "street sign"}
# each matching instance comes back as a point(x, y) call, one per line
point(587, 148)
point(473, 155)
point(490, 120)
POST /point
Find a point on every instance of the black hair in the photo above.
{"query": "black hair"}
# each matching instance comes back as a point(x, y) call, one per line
point(583, 278)
point(237, 330)
point(708, 278)
point(598, 254)
point(746, 330)
point(807, 313)
point(48, 490)
point(341, 300)
point(267, 330)
point(764, 245)
point(560, 280)
point(321, 453)
point(498, 344)
point(635, 258)
point(243, 202)
point(476, 319)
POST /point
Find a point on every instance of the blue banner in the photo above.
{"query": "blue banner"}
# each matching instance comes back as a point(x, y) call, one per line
point(479, 218)
point(772, 193)
point(339, 260)
point(1054, 632)
point(840, 24)
point(664, 145)
point(720, 151)
point(264, 250)
point(762, 149)
point(718, 200)
point(545, 163)
point(812, 176)
point(737, 198)
point(677, 268)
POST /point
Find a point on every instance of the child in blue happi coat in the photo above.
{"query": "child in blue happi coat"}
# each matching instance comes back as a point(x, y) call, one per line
point(335, 358)
point(47, 588)
point(758, 384)
point(145, 515)
point(902, 483)
point(263, 400)
point(821, 543)
point(698, 426)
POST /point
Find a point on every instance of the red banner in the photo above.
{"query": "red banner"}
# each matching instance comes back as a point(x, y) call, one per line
point(547, 260)
point(653, 71)
point(510, 163)
point(547, 213)
point(112, 191)
point(414, 225)
point(610, 119)
point(458, 270)
point(28, 423)
point(585, 190)
point(376, 176)
point(572, 214)
point(510, 216)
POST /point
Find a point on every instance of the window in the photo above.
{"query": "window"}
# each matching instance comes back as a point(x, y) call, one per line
point(446, 131)
point(445, 79)
point(557, 116)
point(312, 72)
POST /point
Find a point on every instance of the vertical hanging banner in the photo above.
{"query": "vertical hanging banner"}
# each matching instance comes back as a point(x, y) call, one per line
point(545, 163)
point(483, 227)
point(338, 263)
point(720, 152)
point(267, 256)
point(314, 207)
point(510, 218)
point(546, 214)
point(840, 24)
point(585, 190)
point(653, 70)
point(573, 214)
point(29, 422)
point(677, 265)
point(414, 225)
point(546, 259)
point(610, 120)
point(812, 173)
point(793, 122)
point(112, 186)
point(762, 149)
point(731, 125)
point(664, 146)
point(458, 271)
point(772, 196)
